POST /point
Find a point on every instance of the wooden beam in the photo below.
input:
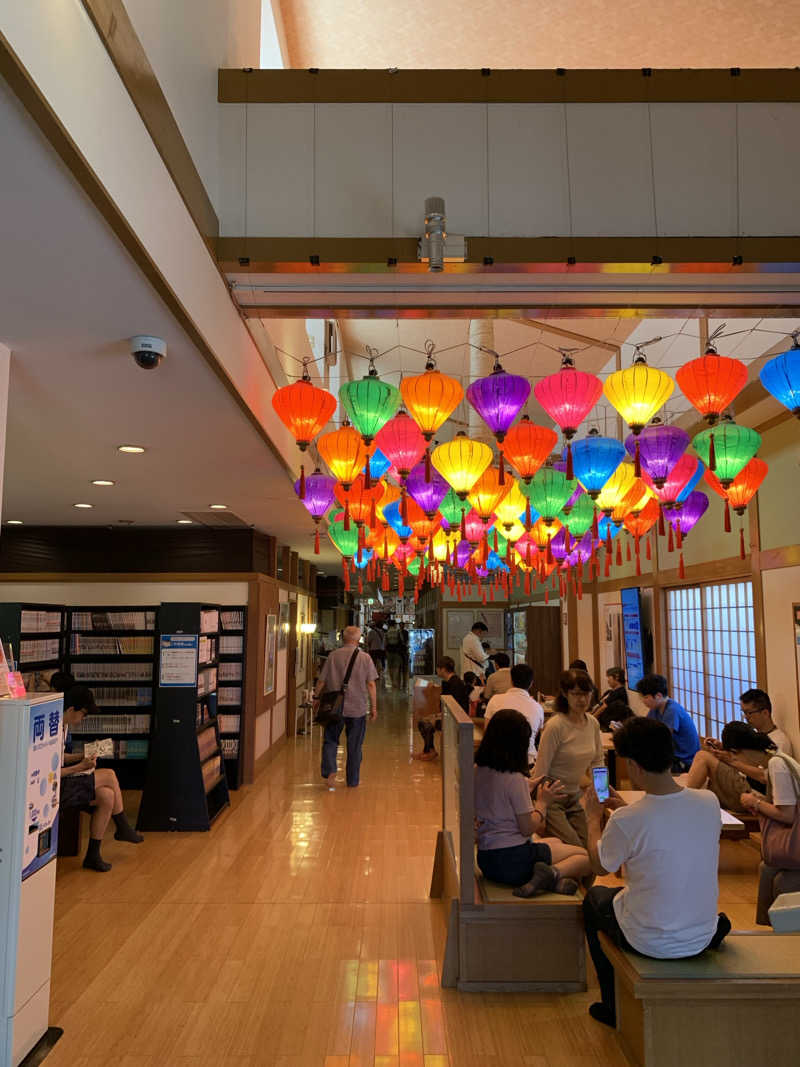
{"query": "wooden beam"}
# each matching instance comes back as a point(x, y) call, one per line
point(759, 619)
point(506, 86)
point(559, 331)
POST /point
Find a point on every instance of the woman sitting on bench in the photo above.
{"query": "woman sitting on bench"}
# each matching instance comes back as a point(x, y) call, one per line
point(506, 818)
point(97, 791)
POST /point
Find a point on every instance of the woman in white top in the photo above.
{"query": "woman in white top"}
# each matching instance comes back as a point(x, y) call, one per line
point(570, 744)
point(506, 819)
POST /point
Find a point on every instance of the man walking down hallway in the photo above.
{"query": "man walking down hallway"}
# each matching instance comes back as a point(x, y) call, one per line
point(360, 697)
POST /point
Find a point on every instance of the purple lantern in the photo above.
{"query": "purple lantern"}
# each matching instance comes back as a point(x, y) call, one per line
point(499, 398)
point(428, 494)
point(558, 544)
point(463, 552)
point(570, 504)
point(581, 551)
point(319, 493)
point(689, 512)
point(481, 572)
point(660, 448)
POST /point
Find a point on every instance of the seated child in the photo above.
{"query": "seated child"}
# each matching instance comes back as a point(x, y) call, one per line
point(475, 689)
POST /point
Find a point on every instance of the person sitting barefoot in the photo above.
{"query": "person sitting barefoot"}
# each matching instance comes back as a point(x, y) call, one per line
point(739, 766)
point(506, 819)
point(83, 786)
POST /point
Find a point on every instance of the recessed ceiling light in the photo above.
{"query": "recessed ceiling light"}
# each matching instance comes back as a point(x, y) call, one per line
point(184, 522)
point(102, 481)
point(218, 507)
point(133, 449)
point(83, 505)
point(14, 522)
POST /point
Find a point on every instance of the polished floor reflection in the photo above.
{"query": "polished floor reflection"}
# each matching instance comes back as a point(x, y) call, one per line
point(298, 933)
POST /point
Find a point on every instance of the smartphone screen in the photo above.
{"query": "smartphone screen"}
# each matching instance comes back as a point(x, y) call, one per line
point(600, 777)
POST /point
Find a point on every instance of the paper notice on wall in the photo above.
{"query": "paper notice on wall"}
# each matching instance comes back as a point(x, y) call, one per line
point(178, 662)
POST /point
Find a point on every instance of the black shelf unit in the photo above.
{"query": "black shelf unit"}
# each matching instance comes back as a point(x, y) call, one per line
point(233, 624)
point(19, 628)
point(89, 626)
point(185, 787)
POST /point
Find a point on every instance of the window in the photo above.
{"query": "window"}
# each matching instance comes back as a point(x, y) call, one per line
point(712, 650)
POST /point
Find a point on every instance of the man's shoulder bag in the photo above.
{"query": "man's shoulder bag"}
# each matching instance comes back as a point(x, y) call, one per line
point(780, 844)
point(331, 702)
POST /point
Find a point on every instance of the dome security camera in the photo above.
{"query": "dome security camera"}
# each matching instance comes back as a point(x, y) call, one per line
point(148, 352)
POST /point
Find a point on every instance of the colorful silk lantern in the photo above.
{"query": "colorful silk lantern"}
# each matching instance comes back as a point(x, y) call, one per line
point(499, 398)
point(511, 506)
point(359, 502)
point(781, 377)
point(385, 542)
point(394, 518)
point(421, 524)
point(514, 532)
point(580, 517)
point(319, 495)
point(488, 492)
point(378, 465)
point(637, 393)
point(345, 541)
point(691, 484)
point(743, 487)
point(660, 449)
point(344, 452)
point(607, 528)
point(463, 552)
point(616, 488)
point(685, 469)
point(711, 383)
point(568, 396)
point(634, 499)
point(595, 459)
point(452, 507)
point(542, 532)
point(303, 409)
point(402, 443)
point(390, 494)
point(638, 523)
point(462, 461)
point(362, 558)
point(570, 504)
point(370, 403)
point(526, 447)
point(432, 397)
point(428, 488)
point(474, 528)
point(548, 492)
point(734, 446)
point(689, 513)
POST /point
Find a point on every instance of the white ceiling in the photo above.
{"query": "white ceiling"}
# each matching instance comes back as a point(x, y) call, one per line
point(70, 296)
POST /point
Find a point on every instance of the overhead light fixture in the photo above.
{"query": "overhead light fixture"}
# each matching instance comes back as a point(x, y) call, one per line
point(184, 522)
point(132, 449)
point(435, 247)
point(14, 522)
point(218, 507)
point(83, 505)
point(102, 481)
point(308, 627)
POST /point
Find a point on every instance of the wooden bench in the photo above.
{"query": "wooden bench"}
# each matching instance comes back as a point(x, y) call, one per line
point(69, 831)
point(735, 1007)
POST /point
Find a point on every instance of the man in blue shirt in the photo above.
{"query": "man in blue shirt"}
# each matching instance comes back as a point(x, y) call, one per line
point(661, 707)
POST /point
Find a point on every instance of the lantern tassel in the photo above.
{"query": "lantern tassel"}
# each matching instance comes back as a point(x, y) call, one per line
point(595, 528)
point(501, 472)
point(463, 526)
point(619, 554)
point(637, 461)
point(661, 530)
point(678, 535)
point(567, 539)
point(316, 541)
point(741, 543)
point(527, 583)
point(427, 465)
point(570, 472)
point(385, 581)
point(712, 453)
point(346, 522)
point(527, 515)
point(609, 546)
point(670, 542)
point(528, 554)
point(547, 596)
point(367, 475)
point(495, 540)
point(549, 552)
point(638, 566)
point(681, 568)
point(648, 552)
point(404, 506)
point(346, 574)
point(628, 551)
point(301, 492)
point(373, 518)
point(727, 515)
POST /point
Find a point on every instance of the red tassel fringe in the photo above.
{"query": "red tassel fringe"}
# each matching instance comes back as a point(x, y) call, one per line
point(373, 518)
point(661, 530)
point(727, 516)
point(463, 526)
point(595, 528)
point(528, 515)
point(681, 568)
point(367, 475)
point(678, 535)
point(501, 474)
point(427, 465)
point(570, 469)
point(346, 522)
point(619, 554)
point(637, 461)
point(404, 507)
point(648, 553)
point(670, 542)
point(741, 543)
point(302, 490)
point(316, 541)
point(628, 551)
point(712, 454)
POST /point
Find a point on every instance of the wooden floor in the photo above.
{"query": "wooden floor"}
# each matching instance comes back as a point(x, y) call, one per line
point(298, 933)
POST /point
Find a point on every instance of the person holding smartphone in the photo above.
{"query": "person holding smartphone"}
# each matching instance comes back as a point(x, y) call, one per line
point(669, 844)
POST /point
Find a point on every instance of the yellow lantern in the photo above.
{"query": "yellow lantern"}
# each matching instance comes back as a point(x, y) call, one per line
point(391, 493)
point(634, 500)
point(616, 488)
point(462, 462)
point(638, 392)
point(489, 491)
point(543, 532)
point(441, 546)
point(513, 532)
point(344, 452)
point(431, 397)
point(512, 505)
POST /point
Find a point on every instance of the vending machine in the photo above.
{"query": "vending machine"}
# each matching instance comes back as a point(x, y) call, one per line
point(30, 778)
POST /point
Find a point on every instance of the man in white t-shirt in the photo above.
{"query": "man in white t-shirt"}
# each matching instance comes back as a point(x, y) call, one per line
point(669, 844)
point(473, 658)
point(757, 710)
point(519, 698)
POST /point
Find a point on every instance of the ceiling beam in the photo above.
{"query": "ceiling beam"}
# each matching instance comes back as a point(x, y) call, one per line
point(559, 331)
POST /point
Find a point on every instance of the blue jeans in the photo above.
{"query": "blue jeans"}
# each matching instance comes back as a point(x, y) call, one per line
point(355, 730)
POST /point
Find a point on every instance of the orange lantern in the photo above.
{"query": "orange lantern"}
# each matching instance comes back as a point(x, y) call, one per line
point(359, 502)
point(303, 409)
point(633, 500)
point(488, 491)
point(344, 452)
point(384, 542)
point(432, 397)
point(743, 487)
point(638, 523)
point(391, 493)
point(419, 522)
point(526, 446)
point(712, 382)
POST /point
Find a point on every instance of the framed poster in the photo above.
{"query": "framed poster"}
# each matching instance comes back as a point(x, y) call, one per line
point(458, 624)
point(283, 630)
point(178, 660)
point(270, 642)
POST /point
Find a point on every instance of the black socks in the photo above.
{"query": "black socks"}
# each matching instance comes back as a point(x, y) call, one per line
point(125, 832)
point(601, 1013)
point(93, 860)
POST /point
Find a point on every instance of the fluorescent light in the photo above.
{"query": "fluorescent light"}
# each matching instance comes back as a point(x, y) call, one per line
point(184, 522)
point(133, 449)
point(83, 505)
point(14, 522)
point(308, 627)
point(102, 481)
point(218, 507)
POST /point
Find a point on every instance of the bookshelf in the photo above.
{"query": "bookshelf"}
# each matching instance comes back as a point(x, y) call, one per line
point(230, 689)
point(112, 651)
point(37, 634)
point(185, 786)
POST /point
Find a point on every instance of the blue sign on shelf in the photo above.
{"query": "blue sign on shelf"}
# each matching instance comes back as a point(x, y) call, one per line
point(178, 660)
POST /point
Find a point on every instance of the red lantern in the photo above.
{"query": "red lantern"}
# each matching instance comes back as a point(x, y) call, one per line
point(743, 487)
point(675, 481)
point(526, 446)
point(303, 409)
point(402, 443)
point(568, 396)
point(711, 383)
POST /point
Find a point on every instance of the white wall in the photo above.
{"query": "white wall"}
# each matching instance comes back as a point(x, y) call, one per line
point(75, 594)
point(781, 590)
point(5, 369)
point(187, 41)
point(511, 170)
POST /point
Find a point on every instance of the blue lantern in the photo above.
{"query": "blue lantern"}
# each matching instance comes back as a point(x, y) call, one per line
point(392, 515)
point(604, 526)
point(362, 557)
point(781, 377)
point(494, 563)
point(378, 465)
point(690, 485)
point(594, 460)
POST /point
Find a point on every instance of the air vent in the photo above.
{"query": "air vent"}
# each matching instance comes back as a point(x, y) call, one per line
point(217, 518)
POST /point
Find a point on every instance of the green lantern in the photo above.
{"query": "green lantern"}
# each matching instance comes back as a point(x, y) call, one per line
point(502, 541)
point(580, 517)
point(726, 448)
point(451, 508)
point(548, 492)
point(346, 541)
point(370, 403)
point(412, 565)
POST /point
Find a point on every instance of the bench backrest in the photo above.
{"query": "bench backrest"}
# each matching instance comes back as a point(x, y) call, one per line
point(458, 799)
